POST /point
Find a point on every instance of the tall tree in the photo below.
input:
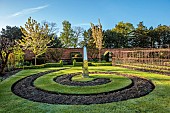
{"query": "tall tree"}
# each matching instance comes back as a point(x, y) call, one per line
point(111, 39)
point(7, 43)
point(87, 39)
point(6, 47)
point(52, 26)
point(141, 36)
point(77, 35)
point(67, 35)
point(97, 34)
point(163, 35)
point(35, 37)
point(53, 30)
point(55, 43)
point(152, 35)
point(11, 32)
point(123, 31)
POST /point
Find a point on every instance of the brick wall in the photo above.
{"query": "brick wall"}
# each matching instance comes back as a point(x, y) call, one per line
point(66, 53)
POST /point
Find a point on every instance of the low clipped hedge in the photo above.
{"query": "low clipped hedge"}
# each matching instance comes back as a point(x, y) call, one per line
point(52, 65)
point(77, 63)
point(92, 63)
point(34, 66)
point(60, 64)
point(101, 64)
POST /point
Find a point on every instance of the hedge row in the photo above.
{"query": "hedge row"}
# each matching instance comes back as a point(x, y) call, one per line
point(92, 64)
point(60, 64)
point(77, 63)
point(101, 64)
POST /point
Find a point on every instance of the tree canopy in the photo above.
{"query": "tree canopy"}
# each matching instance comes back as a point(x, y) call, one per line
point(35, 37)
point(67, 35)
point(8, 39)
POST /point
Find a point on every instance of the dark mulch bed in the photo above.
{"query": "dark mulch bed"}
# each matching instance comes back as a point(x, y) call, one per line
point(147, 70)
point(66, 80)
point(8, 74)
point(25, 89)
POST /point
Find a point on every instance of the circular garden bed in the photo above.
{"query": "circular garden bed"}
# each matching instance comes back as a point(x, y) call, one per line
point(26, 88)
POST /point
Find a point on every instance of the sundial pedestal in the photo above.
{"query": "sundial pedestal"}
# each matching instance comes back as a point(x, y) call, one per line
point(85, 63)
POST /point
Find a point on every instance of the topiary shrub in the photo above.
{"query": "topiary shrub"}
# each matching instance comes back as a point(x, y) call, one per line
point(74, 62)
point(61, 63)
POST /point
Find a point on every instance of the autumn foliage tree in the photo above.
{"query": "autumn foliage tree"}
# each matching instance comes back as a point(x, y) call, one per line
point(35, 37)
point(8, 37)
point(97, 34)
point(6, 47)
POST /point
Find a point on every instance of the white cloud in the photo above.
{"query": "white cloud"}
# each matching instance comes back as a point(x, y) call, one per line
point(28, 11)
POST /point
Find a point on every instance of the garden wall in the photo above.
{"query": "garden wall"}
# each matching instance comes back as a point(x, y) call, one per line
point(66, 53)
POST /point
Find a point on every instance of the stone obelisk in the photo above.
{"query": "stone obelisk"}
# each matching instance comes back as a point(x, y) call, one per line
point(85, 63)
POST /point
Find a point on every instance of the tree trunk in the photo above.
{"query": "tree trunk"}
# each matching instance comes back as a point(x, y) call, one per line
point(3, 68)
point(99, 55)
point(4, 63)
point(35, 59)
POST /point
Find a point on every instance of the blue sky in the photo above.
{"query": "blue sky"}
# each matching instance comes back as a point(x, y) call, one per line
point(82, 12)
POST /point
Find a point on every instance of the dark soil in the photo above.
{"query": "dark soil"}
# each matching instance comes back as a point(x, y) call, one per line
point(8, 74)
point(66, 80)
point(26, 89)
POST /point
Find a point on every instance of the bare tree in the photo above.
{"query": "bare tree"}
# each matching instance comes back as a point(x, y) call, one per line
point(77, 34)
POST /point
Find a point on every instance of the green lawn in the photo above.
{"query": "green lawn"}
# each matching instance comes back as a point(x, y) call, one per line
point(46, 82)
point(158, 101)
